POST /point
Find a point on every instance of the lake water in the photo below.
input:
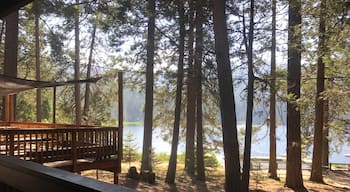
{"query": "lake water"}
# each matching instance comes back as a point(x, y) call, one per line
point(260, 145)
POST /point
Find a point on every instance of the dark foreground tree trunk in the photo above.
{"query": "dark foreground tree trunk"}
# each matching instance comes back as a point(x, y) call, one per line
point(316, 168)
point(191, 106)
point(146, 163)
point(198, 72)
point(272, 159)
point(227, 104)
point(294, 177)
point(250, 101)
point(170, 177)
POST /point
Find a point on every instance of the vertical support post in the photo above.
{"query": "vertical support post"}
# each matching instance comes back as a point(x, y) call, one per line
point(54, 106)
point(12, 143)
point(9, 108)
point(10, 60)
point(120, 119)
point(74, 149)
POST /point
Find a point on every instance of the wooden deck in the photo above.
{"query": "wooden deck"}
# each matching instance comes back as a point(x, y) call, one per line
point(63, 146)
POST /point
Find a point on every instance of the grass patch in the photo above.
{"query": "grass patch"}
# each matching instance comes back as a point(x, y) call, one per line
point(133, 123)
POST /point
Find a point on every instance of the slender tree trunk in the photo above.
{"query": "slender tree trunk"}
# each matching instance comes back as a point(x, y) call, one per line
point(88, 76)
point(198, 73)
point(272, 159)
point(227, 104)
point(294, 177)
point(190, 115)
point(77, 67)
point(146, 163)
point(316, 168)
point(170, 177)
point(37, 60)
point(76, 85)
point(10, 67)
point(250, 100)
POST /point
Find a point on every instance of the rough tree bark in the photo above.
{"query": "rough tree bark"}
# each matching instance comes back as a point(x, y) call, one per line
point(316, 167)
point(250, 99)
point(170, 176)
point(272, 159)
point(198, 79)
point(146, 163)
point(294, 177)
point(227, 104)
point(191, 106)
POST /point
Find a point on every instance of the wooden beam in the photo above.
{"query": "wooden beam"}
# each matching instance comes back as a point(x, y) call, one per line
point(28, 176)
point(9, 6)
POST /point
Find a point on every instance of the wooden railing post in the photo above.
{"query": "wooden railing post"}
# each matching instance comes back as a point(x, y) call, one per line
point(74, 150)
point(12, 143)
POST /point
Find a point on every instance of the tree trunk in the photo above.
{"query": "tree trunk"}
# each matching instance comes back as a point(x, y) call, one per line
point(77, 67)
point(250, 102)
point(227, 104)
point(170, 177)
point(190, 115)
point(198, 79)
point(10, 67)
point(37, 60)
point(88, 75)
point(146, 163)
point(316, 168)
point(294, 177)
point(272, 159)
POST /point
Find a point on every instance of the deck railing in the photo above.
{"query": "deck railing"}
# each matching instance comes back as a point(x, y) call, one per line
point(45, 143)
point(56, 144)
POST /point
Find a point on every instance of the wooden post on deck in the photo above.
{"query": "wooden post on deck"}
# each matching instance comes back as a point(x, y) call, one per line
point(54, 106)
point(9, 108)
point(120, 124)
point(10, 61)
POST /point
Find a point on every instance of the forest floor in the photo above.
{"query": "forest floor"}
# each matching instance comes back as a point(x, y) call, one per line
point(334, 181)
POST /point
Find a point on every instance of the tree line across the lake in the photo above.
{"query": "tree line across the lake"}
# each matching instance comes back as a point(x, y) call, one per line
point(289, 61)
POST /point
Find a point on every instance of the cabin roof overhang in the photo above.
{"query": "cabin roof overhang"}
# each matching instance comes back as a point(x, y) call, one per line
point(9, 6)
point(12, 85)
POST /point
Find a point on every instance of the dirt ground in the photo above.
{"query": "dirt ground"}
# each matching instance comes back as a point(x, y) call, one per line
point(334, 181)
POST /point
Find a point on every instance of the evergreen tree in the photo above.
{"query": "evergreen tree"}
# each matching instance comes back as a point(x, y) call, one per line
point(250, 98)
point(198, 87)
point(130, 149)
point(294, 178)
point(227, 104)
point(146, 163)
point(316, 172)
point(272, 154)
point(170, 177)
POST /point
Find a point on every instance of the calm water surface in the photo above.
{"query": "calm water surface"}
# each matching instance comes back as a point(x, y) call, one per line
point(260, 145)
